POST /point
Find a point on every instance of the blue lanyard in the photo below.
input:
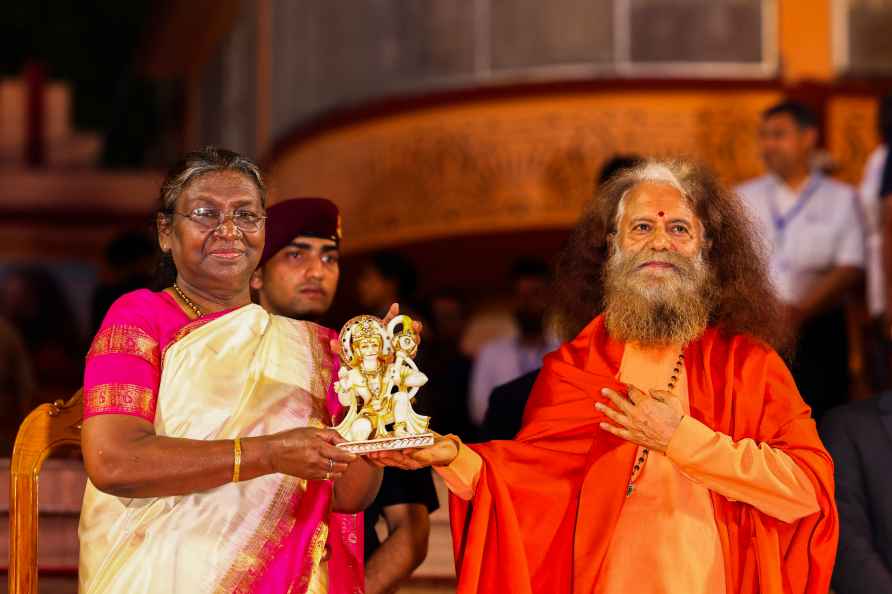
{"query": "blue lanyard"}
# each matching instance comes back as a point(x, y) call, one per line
point(782, 221)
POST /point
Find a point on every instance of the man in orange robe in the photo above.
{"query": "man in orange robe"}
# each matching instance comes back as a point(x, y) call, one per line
point(665, 449)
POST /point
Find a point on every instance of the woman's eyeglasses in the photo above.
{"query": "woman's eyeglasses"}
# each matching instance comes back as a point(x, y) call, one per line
point(212, 218)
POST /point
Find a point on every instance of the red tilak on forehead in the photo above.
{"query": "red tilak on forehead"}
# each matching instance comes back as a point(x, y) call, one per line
point(661, 213)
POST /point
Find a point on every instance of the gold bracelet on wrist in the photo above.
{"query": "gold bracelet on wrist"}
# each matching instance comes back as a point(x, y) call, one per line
point(236, 458)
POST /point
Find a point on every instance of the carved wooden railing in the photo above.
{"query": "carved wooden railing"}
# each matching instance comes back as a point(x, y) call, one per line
point(47, 428)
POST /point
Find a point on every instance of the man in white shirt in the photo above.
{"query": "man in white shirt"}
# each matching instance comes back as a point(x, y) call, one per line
point(814, 237)
point(875, 190)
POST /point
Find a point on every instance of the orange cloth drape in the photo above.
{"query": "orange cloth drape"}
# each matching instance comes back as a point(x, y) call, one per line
point(546, 504)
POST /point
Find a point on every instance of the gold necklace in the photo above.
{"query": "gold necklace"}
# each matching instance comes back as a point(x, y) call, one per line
point(645, 452)
point(195, 309)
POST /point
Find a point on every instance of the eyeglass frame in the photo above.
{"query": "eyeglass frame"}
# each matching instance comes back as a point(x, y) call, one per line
point(221, 219)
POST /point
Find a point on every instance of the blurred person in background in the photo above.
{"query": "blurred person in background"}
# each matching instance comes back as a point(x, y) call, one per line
point(33, 302)
point(130, 264)
point(387, 278)
point(875, 193)
point(298, 278)
point(504, 359)
point(445, 398)
point(859, 437)
point(814, 236)
point(16, 385)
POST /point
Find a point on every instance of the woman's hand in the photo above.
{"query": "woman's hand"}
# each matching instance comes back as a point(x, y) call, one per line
point(309, 453)
point(442, 453)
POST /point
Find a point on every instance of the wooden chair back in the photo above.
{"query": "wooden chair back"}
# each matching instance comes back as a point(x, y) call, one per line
point(48, 427)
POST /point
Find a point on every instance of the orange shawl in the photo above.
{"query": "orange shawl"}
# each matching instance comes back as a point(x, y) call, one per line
point(546, 503)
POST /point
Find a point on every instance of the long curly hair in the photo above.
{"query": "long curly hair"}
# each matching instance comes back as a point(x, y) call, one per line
point(745, 301)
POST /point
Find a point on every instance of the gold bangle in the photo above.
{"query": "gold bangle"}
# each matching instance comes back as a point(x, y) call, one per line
point(236, 458)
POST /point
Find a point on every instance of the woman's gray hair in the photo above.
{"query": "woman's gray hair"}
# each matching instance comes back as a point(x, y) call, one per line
point(196, 164)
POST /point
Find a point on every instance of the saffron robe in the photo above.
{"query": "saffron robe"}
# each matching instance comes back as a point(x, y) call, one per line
point(546, 505)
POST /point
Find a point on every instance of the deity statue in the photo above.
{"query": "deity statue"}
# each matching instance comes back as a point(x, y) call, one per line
point(377, 383)
point(405, 377)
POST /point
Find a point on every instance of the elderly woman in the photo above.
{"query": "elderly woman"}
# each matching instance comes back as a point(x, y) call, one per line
point(210, 468)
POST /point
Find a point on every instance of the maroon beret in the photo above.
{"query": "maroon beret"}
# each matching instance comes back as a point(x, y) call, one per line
point(314, 217)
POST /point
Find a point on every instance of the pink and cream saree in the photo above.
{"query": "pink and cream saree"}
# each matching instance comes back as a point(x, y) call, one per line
point(239, 373)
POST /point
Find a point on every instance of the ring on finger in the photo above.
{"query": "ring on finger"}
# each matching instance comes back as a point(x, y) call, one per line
point(328, 476)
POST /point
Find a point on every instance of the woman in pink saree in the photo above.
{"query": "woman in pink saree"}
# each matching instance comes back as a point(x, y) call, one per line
point(204, 437)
